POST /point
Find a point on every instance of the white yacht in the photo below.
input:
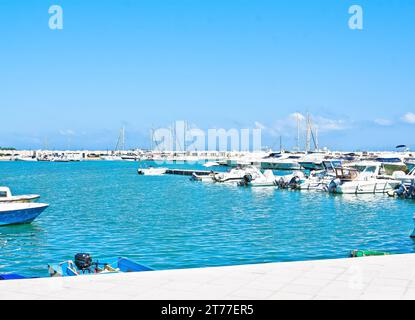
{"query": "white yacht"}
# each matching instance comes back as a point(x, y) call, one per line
point(370, 180)
point(282, 161)
point(312, 161)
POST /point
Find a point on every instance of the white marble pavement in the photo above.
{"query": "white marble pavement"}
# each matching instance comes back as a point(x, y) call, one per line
point(386, 277)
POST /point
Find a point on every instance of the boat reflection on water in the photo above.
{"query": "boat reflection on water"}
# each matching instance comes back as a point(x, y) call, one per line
point(263, 191)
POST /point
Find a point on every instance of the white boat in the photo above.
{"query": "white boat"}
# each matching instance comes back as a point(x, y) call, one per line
point(151, 171)
point(289, 180)
point(203, 178)
point(312, 161)
point(403, 177)
point(26, 159)
point(6, 196)
point(258, 179)
point(20, 213)
point(370, 180)
point(211, 164)
point(281, 161)
point(319, 180)
point(235, 175)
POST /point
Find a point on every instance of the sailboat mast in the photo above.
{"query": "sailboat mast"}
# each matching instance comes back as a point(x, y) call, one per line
point(308, 134)
point(298, 132)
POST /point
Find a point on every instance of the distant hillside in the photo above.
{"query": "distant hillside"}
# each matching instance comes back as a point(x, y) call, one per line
point(7, 148)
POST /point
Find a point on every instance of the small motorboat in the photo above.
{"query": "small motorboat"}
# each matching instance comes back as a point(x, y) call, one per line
point(236, 175)
point(370, 180)
point(151, 171)
point(203, 178)
point(20, 213)
point(6, 196)
point(84, 265)
point(259, 179)
point(291, 181)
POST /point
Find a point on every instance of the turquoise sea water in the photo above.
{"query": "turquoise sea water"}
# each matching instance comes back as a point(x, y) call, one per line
point(168, 222)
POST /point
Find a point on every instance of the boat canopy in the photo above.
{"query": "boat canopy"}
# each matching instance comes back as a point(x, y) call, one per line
point(346, 173)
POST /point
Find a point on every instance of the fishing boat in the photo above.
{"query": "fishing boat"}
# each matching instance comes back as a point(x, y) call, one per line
point(6, 196)
point(152, 171)
point(370, 180)
point(84, 265)
point(20, 213)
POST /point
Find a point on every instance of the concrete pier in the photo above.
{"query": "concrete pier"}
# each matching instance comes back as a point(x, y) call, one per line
point(385, 277)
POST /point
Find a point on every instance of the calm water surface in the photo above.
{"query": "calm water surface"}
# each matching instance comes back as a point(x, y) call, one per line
point(168, 222)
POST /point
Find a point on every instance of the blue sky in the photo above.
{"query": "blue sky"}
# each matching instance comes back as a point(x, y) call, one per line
point(216, 64)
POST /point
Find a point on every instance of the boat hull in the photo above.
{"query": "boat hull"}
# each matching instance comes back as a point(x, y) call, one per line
point(366, 187)
point(18, 213)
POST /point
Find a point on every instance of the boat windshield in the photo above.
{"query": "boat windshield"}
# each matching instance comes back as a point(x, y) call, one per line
point(346, 173)
point(3, 194)
point(370, 169)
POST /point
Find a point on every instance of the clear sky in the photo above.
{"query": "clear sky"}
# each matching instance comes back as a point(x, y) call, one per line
point(214, 63)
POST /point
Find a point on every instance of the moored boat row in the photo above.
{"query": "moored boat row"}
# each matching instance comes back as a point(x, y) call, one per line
point(366, 177)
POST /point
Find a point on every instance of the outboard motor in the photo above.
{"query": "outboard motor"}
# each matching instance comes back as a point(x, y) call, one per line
point(246, 180)
point(83, 261)
point(333, 185)
point(295, 183)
